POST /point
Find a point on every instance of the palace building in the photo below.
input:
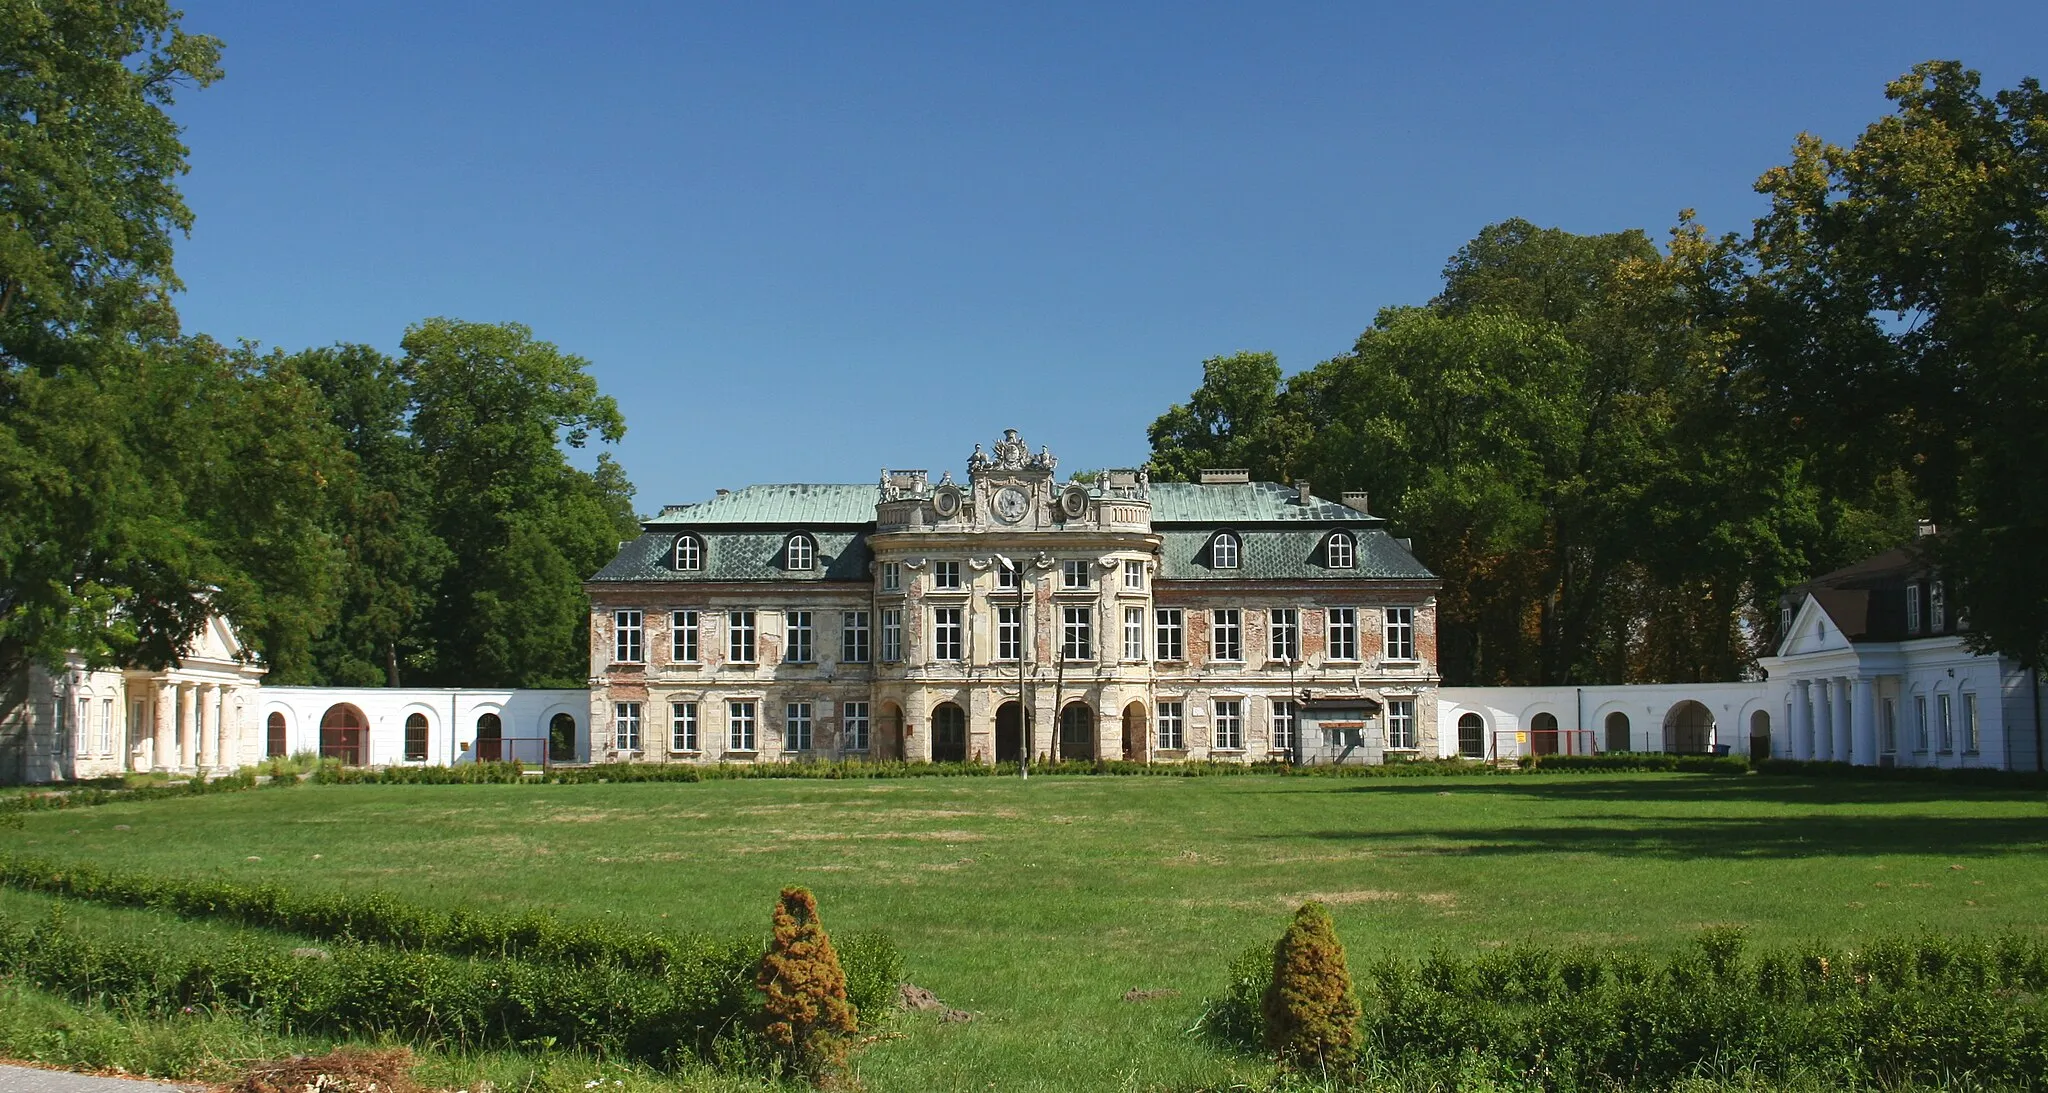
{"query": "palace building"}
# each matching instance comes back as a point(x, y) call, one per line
point(1010, 613)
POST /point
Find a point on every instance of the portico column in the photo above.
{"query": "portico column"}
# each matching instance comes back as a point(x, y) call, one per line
point(1844, 709)
point(1802, 719)
point(1863, 718)
point(186, 698)
point(225, 754)
point(166, 747)
point(202, 724)
point(1824, 719)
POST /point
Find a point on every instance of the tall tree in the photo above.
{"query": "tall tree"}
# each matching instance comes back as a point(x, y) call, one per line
point(1893, 307)
point(493, 410)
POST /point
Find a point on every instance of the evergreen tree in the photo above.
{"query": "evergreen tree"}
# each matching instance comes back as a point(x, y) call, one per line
point(805, 1017)
point(1311, 1013)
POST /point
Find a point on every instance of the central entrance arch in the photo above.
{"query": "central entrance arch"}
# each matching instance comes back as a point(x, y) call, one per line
point(1688, 729)
point(345, 735)
point(1010, 732)
point(1077, 732)
point(949, 734)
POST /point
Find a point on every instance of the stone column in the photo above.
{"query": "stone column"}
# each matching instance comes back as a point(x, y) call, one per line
point(164, 753)
point(1824, 720)
point(186, 700)
point(1844, 710)
point(1802, 719)
point(203, 726)
point(1863, 721)
point(225, 754)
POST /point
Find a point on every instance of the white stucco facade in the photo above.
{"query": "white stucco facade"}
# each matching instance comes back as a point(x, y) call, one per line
point(448, 725)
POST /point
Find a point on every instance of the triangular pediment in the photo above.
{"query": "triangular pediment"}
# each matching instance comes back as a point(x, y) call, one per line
point(1812, 631)
point(215, 641)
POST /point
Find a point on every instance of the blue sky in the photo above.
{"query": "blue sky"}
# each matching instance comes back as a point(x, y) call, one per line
point(800, 242)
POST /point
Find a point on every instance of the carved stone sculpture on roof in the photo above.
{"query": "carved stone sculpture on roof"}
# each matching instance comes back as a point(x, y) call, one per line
point(1012, 454)
point(1044, 460)
point(978, 462)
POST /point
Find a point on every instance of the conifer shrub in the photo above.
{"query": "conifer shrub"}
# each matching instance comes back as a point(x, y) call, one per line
point(1311, 1013)
point(805, 1017)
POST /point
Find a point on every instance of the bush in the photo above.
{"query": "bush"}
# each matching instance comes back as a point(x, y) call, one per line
point(1311, 1014)
point(1939, 776)
point(805, 1017)
point(1639, 761)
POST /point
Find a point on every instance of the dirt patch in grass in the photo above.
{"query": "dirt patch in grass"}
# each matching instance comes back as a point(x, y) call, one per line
point(343, 1070)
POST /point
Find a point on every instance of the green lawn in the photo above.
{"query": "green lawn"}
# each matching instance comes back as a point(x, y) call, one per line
point(1037, 905)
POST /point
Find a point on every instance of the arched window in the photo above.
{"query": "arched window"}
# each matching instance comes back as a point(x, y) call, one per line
point(799, 553)
point(1341, 551)
point(416, 738)
point(1617, 731)
point(1472, 736)
point(689, 553)
point(562, 738)
point(490, 737)
point(1223, 550)
point(274, 736)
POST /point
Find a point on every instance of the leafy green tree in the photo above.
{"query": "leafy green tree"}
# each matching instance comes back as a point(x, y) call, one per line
point(1893, 311)
point(1231, 421)
point(492, 410)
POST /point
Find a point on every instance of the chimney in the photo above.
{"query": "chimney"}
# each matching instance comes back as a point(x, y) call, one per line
point(722, 493)
point(1925, 528)
point(1223, 476)
point(1355, 499)
point(1301, 494)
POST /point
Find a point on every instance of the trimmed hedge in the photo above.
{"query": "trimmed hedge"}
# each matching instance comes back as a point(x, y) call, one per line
point(378, 918)
point(507, 773)
point(1933, 1009)
point(1638, 761)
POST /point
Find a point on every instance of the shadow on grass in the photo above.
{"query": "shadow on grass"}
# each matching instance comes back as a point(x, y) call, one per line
point(1693, 837)
point(1702, 789)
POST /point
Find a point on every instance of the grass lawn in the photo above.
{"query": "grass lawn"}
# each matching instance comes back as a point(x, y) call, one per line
point(1037, 905)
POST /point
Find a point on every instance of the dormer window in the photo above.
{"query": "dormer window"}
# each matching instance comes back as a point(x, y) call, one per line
point(1912, 609)
point(1223, 551)
point(800, 553)
point(1937, 608)
point(1341, 552)
point(689, 553)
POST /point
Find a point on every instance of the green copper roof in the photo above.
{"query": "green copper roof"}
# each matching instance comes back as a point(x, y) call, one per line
point(1272, 555)
point(790, 503)
point(1243, 503)
point(739, 556)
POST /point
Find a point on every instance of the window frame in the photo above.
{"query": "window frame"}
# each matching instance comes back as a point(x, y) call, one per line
point(1077, 575)
point(1134, 575)
point(626, 727)
point(694, 562)
point(1283, 623)
point(1401, 725)
point(1077, 632)
point(1913, 615)
point(949, 634)
point(1399, 635)
point(408, 751)
point(1286, 726)
point(1923, 732)
point(685, 636)
point(1169, 622)
point(742, 715)
point(1134, 634)
point(854, 725)
point(1340, 625)
point(798, 726)
point(1007, 574)
point(684, 728)
point(1226, 731)
point(1234, 627)
point(891, 649)
point(799, 637)
point(1937, 608)
point(1340, 551)
point(1967, 743)
point(1009, 632)
point(1169, 725)
point(856, 637)
point(629, 644)
point(1944, 723)
point(742, 636)
point(1226, 550)
point(892, 576)
point(799, 553)
point(946, 577)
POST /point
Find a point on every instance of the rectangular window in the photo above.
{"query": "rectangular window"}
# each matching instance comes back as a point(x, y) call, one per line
point(84, 733)
point(1077, 633)
point(945, 574)
point(1283, 725)
point(1134, 575)
point(1283, 634)
point(1888, 740)
point(1343, 633)
point(739, 637)
point(892, 634)
point(853, 637)
point(682, 637)
point(626, 634)
point(1937, 608)
point(1226, 634)
point(1006, 573)
point(739, 725)
point(1912, 609)
point(1400, 633)
point(853, 732)
point(1944, 723)
point(1401, 723)
point(796, 648)
point(682, 727)
point(1172, 727)
point(1229, 724)
point(947, 640)
point(796, 727)
point(1134, 633)
point(626, 726)
point(892, 577)
point(1009, 633)
point(1169, 635)
point(1075, 573)
point(106, 726)
point(1920, 722)
point(1969, 723)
